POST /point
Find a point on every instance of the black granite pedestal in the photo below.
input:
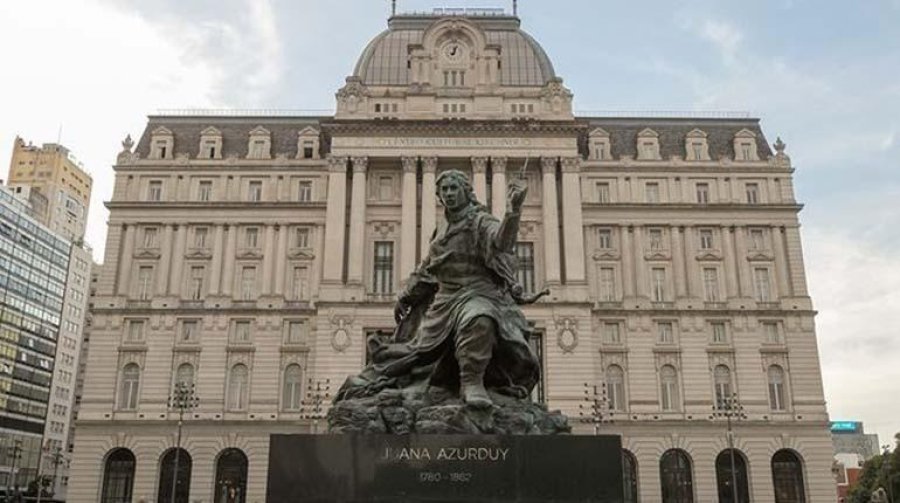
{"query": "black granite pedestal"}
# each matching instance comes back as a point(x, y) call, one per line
point(369, 468)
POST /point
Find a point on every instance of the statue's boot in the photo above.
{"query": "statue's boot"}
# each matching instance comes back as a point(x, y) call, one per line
point(474, 347)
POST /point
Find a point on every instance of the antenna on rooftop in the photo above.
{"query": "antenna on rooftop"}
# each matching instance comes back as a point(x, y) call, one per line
point(515, 7)
point(393, 7)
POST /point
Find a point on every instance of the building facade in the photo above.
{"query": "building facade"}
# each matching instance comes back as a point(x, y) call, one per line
point(55, 183)
point(251, 255)
point(42, 311)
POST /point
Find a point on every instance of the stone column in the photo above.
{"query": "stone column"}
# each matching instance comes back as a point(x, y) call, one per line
point(573, 226)
point(781, 270)
point(550, 214)
point(215, 273)
point(408, 218)
point(335, 215)
point(126, 259)
point(429, 202)
point(165, 261)
point(228, 268)
point(627, 252)
point(498, 186)
point(745, 283)
point(479, 178)
point(268, 264)
point(280, 258)
point(641, 277)
point(731, 280)
point(178, 260)
point(692, 269)
point(678, 266)
point(357, 221)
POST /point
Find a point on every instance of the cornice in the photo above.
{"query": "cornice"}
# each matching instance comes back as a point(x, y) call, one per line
point(459, 127)
point(233, 205)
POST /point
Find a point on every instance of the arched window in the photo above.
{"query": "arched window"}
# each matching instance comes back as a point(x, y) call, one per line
point(238, 382)
point(787, 477)
point(293, 387)
point(728, 477)
point(675, 475)
point(722, 379)
point(185, 374)
point(131, 381)
point(183, 480)
point(615, 387)
point(231, 476)
point(668, 388)
point(630, 476)
point(776, 388)
point(118, 477)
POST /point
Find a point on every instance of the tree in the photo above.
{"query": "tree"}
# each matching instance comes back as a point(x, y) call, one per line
point(875, 475)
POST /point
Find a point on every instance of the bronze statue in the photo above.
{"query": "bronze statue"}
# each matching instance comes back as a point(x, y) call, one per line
point(459, 324)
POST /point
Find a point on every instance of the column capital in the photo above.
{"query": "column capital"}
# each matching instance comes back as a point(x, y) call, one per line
point(548, 165)
point(571, 164)
point(479, 164)
point(498, 164)
point(360, 164)
point(429, 164)
point(337, 164)
point(409, 164)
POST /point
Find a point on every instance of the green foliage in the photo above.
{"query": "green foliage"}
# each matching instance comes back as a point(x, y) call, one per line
point(875, 474)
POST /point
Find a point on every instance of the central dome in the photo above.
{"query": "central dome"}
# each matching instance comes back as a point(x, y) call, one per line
point(523, 61)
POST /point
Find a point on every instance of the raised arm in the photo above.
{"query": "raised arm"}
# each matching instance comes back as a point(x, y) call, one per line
point(505, 239)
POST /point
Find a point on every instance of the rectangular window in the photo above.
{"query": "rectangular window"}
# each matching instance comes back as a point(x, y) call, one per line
point(665, 332)
point(706, 239)
point(651, 192)
point(204, 190)
point(254, 191)
point(525, 272)
point(697, 149)
point(154, 190)
point(656, 239)
point(300, 283)
point(746, 152)
point(301, 237)
point(385, 188)
point(251, 237)
point(703, 193)
point(241, 331)
point(195, 289)
point(135, 331)
point(383, 282)
point(752, 190)
point(248, 283)
point(719, 333)
point(611, 333)
point(145, 282)
point(757, 239)
point(304, 191)
point(607, 284)
point(604, 239)
point(658, 284)
point(770, 332)
point(189, 330)
point(711, 284)
point(307, 150)
point(200, 236)
point(150, 237)
point(603, 192)
point(297, 332)
point(761, 284)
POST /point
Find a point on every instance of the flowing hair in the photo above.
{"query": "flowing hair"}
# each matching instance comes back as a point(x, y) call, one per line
point(458, 176)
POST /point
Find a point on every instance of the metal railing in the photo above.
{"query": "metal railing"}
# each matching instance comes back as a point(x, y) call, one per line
point(665, 114)
point(237, 112)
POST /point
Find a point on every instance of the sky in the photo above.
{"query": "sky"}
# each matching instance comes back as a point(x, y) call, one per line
point(824, 75)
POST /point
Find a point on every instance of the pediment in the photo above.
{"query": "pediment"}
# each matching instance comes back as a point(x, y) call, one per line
point(658, 255)
point(606, 255)
point(301, 253)
point(648, 133)
point(249, 254)
point(599, 133)
point(162, 131)
point(745, 133)
point(147, 253)
point(211, 131)
point(696, 133)
point(198, 254)
point(259, 131)
point(308, 131)
point(709, 255)
point(760, 256)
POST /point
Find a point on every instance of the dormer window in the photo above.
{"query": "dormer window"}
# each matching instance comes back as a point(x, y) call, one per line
point(308, 143)
point(260, 144)
point(745, 146)
point(648, 145)
point(210, 144)
point(598, 140)
point(696, 147)
point(162, 144)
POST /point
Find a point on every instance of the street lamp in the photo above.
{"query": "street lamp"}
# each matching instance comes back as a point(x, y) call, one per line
point(57, 459)
point(183, 399)
point(730, 408)
point(595, 410)
point(15, 453)
point(317, 392)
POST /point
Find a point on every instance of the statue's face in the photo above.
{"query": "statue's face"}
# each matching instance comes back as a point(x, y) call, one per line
point(453, 194)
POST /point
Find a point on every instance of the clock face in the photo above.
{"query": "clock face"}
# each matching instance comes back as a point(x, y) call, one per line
point(453, 52)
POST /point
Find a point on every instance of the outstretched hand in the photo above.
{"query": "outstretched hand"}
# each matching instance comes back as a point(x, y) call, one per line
point(515, 194)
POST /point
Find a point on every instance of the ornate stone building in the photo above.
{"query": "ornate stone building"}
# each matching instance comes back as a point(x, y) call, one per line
point(251, 255)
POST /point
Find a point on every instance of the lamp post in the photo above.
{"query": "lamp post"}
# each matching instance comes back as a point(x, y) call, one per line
point(595, 410)
point(183, 399)
point(57, 459)
point(730, 408)
point(317, 391)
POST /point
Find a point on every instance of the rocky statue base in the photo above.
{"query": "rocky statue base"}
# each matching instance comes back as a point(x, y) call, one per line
point(438, 411)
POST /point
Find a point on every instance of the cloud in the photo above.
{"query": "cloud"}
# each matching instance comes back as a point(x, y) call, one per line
point(724, 35)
